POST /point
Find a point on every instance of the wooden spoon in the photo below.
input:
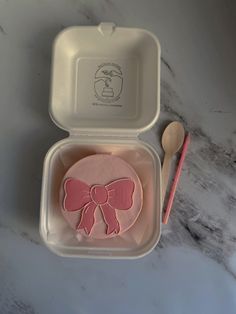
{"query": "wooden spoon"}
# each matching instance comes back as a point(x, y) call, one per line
point(172, 140)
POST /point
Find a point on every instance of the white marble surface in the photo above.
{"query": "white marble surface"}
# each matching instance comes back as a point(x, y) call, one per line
point(193, 269)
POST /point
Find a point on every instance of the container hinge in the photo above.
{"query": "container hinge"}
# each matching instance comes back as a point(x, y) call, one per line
point(97, 135)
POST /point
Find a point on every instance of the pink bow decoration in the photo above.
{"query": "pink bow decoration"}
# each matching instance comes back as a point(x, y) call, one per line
point(115, 195)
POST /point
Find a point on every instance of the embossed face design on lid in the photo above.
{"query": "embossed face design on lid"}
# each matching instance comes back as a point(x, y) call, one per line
point(108, 82)
point(101, 196)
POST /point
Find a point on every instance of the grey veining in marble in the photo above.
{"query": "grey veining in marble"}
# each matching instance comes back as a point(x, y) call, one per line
point(193, 269)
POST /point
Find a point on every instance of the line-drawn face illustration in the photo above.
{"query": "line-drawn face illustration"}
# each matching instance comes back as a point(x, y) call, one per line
point(108, 82)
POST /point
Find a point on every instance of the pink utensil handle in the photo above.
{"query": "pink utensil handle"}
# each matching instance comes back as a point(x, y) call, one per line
point(176, 180)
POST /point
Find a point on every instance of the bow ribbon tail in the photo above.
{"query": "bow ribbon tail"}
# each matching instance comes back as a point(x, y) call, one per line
point(109, 216)
point(87, 217)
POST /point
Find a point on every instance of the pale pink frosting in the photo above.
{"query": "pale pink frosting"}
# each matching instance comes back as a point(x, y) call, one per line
point(101, 169)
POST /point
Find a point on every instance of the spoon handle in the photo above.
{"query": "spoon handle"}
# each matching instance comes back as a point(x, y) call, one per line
point(165, 174)
point(176, 179)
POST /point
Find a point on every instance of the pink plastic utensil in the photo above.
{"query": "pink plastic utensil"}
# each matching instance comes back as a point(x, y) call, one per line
point(176, 179)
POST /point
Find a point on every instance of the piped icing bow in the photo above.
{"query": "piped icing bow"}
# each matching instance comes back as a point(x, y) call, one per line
point(117, 194)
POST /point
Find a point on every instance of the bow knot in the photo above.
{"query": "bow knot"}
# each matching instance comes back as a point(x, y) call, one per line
point(99, 194)
point(116, 195)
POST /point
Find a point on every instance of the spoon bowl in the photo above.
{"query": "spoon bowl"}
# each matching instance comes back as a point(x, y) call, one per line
point(173, 138)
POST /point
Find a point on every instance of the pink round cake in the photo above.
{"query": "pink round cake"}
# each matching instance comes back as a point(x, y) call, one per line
point(101, 196)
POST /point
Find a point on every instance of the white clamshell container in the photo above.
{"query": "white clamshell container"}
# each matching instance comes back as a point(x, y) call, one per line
point(105, 91)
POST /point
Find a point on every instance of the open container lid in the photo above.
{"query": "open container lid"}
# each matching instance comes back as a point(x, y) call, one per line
point(105, 80)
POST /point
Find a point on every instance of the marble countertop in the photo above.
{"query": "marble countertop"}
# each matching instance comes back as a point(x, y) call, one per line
point(193, 269)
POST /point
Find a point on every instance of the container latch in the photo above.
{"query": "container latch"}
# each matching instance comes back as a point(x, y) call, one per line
point(106, 29)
